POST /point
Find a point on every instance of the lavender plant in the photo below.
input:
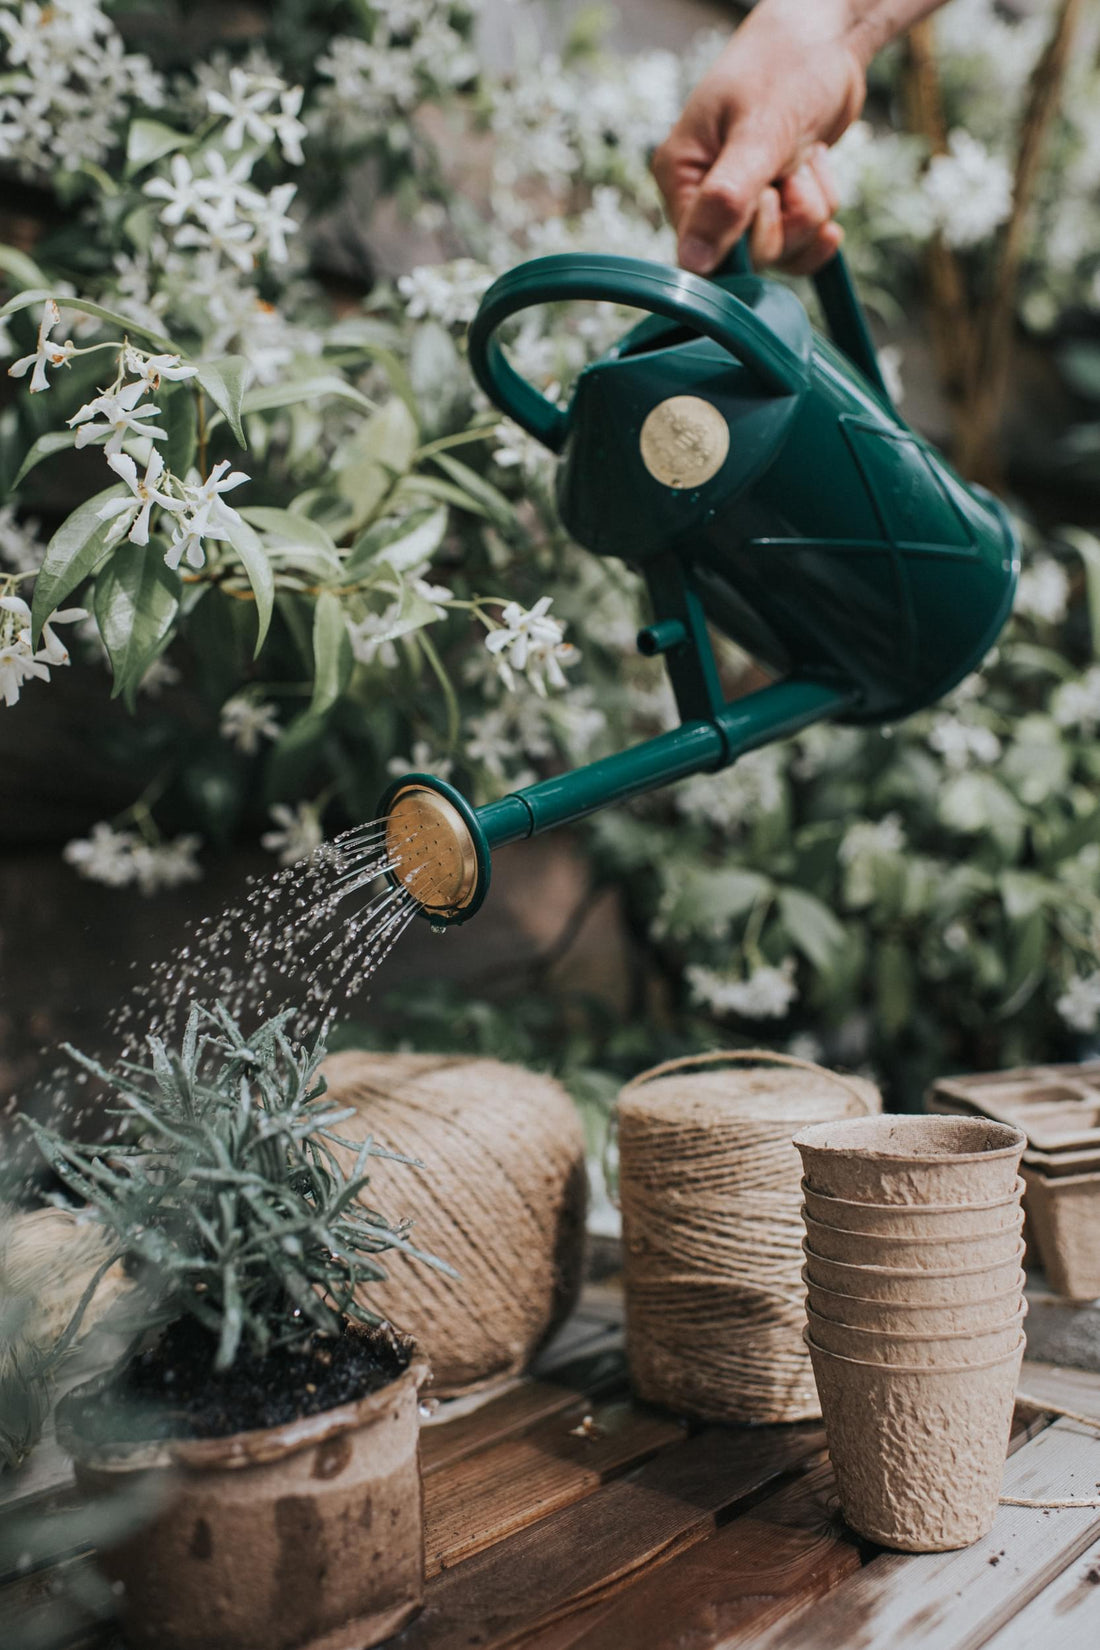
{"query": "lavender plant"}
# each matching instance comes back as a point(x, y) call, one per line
point(224, 1192)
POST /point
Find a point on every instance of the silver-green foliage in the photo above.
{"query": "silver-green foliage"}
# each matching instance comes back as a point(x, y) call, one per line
point(226, 1192)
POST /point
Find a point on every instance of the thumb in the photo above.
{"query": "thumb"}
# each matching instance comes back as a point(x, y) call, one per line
point(725, 201)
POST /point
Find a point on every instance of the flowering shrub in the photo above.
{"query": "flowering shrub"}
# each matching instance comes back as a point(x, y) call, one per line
point(301, 501)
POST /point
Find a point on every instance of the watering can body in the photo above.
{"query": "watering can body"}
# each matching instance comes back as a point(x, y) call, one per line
point(758, 477)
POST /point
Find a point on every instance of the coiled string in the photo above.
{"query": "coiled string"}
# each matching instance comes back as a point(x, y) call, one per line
point(710, 1190)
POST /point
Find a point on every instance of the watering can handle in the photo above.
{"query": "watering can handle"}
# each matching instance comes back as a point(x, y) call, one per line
point(841, 307)
point(674, 293)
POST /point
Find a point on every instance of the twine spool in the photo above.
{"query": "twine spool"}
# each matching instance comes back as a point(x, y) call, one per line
point(500, 1196)
point(709, 1184)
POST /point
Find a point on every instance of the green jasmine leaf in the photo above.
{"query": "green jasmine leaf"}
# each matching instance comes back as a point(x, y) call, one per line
point(223, 381)
point(254, 558)
point(125, 323)
point(74, 552)
point(148, 141)
point(400, 544)
point(136, 601)
point(21, 268)
point(54, 441)
point(811, 926)
point(332, 656)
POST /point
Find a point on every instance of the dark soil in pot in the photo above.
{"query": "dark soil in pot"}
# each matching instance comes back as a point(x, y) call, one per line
point(172, 1390)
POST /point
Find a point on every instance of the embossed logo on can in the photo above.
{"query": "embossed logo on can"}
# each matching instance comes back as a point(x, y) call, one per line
point(684, 441)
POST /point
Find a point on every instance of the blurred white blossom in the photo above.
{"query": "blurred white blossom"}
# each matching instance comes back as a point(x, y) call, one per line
point(968, 189)
point(245, 721)
point(766, 994)
point(298, 832)
point(1043, 591)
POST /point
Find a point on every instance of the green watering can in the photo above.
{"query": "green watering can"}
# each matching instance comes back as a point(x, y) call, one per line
point(759, 478)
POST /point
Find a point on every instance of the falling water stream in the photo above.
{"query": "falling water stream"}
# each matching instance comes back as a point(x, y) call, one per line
point(312, 936)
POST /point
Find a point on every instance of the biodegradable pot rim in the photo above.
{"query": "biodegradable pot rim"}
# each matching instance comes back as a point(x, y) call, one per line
point(257, 1447)
point(904, 1238)
point(922, 1335)
point(1091, 1177)
point(907, 1306)
point(909, 1209)
point(933, 1370)
point(915, 1272)
point(1013, 1139)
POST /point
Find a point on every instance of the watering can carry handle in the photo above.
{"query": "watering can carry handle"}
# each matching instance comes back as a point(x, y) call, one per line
point(673, 293)
point(840, 305)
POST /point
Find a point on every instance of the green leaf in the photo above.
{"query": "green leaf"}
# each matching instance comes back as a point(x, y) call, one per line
point(893, 986)
point(223, 381)
point(54, 441)
point(493, 502)
point(267, 397)
point(400, 544)
point(73, 553)
point(179, 423)
point(148, 141)
point(125, 323)
point(1088, 548)
point(23, 270)
point(422, 486)
point(246, 542)
point(811, 926)
point(290, 527)
point(136, 600)
point(332, 656)
point(1026, 967)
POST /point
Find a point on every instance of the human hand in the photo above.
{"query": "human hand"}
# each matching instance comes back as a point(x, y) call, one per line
point(750, 147)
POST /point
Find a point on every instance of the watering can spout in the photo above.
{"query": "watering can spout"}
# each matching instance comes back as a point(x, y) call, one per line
point(440, 847)
point(759, 479)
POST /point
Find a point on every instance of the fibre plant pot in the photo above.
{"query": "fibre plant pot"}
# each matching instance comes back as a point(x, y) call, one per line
point(913, 1288)
point(957, 1347)
point(914, 1253)
point(1064, 1220)
point(918, 1453)
point(888, 1317)
point(907, 1160)
point(305, 1536)
point(914, 1220)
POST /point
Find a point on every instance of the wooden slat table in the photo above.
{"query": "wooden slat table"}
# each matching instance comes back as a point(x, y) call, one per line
point(561, 1515)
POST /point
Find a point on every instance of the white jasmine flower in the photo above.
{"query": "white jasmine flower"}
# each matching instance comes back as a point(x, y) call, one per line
point(166, 864)
point(1079, 1004)
point(370, 637)
point(131, 515)
point(300, 832)
point(449, 293)
point(530, 642)
point(960, 743)
point(150, 369)
point(271, 223)
point(288, 129)
point(747, 790)
point(1043, 591)
point(161, 673)
point(121, 416)
point(872, 837)
point(19, 663)
point(181, 190)
point(106, 855)
point(956, 936)
point(245, 721)
point(244, 106)
point(224, 191)
point(422, 760)
point(968, 189)
point(204, 514)
point(46, 354)
point(20, 546)
point(767, 994)
point(1077, 704)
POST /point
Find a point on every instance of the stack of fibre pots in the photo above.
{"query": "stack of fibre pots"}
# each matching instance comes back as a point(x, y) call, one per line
point(915, 1304)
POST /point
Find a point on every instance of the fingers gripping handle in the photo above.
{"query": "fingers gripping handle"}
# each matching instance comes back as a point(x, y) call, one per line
point(673, 293)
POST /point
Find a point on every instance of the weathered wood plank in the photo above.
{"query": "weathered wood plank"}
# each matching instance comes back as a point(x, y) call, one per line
point(1066, 1613)
point(487, 1496)
point(958, 1600)
point(1065, 1388)
point(503, 1417)
point(586, 1551)
point(785, 1550)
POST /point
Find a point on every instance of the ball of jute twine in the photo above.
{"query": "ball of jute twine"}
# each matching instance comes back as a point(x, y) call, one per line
point(499, 1194)
point(709, 1185)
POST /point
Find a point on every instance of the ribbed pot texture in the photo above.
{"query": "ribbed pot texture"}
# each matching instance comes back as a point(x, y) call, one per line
point(913, 1320)
point(880, 1346)
point(914, 1220)
point(914, 1253)
point(913, 1288)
